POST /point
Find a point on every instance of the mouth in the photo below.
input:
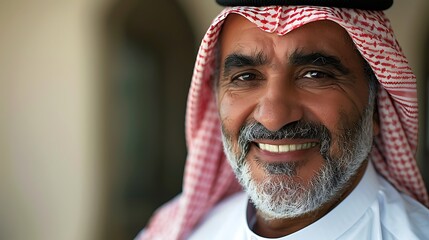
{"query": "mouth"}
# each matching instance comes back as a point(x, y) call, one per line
point(285, 148)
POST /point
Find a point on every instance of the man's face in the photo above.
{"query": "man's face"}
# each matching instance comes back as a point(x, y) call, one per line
point(295, 113)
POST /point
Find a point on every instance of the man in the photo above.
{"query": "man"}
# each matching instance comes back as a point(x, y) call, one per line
point(316, 110)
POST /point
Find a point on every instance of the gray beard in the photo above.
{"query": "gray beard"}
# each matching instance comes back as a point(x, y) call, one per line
point(279, 195)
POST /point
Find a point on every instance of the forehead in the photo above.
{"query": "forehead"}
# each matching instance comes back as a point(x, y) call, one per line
point(240, 35)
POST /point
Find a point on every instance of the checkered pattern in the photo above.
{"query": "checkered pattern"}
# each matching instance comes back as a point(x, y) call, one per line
point(208, 177)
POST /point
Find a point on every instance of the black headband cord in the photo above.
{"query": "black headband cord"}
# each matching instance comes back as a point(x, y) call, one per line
point(357, 4)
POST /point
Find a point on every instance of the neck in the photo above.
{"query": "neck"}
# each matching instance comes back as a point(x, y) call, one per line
point(283, 227)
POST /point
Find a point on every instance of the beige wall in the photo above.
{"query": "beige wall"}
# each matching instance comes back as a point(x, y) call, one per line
point(48, 120)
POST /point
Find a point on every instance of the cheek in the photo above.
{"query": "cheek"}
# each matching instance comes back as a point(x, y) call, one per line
point(325, 112)
point(337, 112)
point(234, 111)
point(330, 106)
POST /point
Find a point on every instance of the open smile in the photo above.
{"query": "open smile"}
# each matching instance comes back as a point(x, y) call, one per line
point(286, 147)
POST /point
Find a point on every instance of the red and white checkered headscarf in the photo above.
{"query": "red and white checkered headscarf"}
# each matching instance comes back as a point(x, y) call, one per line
point(208, 177)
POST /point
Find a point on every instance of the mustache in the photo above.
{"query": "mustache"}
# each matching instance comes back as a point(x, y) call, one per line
point(296, 130)
point(301, 129)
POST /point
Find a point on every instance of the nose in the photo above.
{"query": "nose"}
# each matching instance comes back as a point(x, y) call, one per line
point(278, 106)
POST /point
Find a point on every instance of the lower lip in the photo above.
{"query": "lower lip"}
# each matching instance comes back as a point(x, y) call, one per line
point(291, 156)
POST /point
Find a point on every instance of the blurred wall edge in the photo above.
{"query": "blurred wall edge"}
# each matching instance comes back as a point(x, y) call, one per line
point(49, 103)
point(50, 155)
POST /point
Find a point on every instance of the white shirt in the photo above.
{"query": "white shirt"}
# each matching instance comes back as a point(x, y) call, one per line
point(373, 210)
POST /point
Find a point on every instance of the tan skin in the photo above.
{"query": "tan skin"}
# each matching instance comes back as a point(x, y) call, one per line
point(276, 84)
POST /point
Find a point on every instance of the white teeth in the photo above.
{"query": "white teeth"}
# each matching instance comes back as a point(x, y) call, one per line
point(273, 148)
point(285, 148)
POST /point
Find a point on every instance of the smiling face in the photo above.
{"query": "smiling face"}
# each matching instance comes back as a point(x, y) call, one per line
point(296, 114)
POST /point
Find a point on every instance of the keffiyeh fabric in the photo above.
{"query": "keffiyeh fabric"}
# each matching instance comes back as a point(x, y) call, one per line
point(208, 177)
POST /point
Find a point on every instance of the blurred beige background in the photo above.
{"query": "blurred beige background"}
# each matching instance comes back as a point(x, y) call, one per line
point(73, 156)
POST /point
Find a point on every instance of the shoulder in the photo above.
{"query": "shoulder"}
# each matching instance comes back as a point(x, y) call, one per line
point(226, 215)
point(401, 216)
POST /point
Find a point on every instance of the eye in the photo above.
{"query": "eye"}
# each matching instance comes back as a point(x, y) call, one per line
point(316, 74)
point(245, 77)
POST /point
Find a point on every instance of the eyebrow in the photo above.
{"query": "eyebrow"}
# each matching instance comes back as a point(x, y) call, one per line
point(317, 59)
point(298, 58)
point(238, 60)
